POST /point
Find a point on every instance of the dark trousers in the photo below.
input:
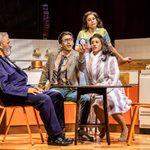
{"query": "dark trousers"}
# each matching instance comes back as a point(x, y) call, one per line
point(71, 95)
point(52, 114)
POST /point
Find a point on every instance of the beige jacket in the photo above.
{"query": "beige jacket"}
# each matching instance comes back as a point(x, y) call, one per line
point(73, 67)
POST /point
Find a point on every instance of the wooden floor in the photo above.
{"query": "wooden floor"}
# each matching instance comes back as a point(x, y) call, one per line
point(21, 142)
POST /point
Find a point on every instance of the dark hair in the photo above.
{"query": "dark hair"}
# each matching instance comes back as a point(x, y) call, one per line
point(62, 34)
point(99, 21)
point(106, 50)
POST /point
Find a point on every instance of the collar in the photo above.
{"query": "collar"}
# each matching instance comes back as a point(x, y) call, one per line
point(63, 54)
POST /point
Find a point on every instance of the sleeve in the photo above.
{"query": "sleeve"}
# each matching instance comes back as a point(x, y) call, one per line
point(81, 64)
point(45, 75)
point(113, 73)
point(11, 87)
point(78, 39)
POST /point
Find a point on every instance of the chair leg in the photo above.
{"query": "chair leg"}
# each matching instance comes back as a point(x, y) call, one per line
point(133, 121)
point(2, 114)
point(40, 130)
point(28, 126)
point(8, 127)
point(131, 115)
point(95, 127)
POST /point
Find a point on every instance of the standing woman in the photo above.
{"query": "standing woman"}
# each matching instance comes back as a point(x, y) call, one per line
point(93, 24)
point(102, 69)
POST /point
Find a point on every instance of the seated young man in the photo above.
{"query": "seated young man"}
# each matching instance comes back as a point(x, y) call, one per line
point(62, 68)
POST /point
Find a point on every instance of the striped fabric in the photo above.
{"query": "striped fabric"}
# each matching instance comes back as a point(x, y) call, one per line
point(59, 68)
point(107, 73)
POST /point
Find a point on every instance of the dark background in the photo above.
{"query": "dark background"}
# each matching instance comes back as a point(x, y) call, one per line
point(122, 18)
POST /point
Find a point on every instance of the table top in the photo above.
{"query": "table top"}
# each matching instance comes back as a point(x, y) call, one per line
point(90, 86)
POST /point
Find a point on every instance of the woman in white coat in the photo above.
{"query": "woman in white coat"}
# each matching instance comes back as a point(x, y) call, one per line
point(102, 69)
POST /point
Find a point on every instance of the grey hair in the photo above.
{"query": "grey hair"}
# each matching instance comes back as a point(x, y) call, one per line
point(2, 35)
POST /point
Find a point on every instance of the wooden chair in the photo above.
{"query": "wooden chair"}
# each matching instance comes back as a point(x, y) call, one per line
point(136, 107)
point(134, 115)
point(124, 78)
point(4, 108)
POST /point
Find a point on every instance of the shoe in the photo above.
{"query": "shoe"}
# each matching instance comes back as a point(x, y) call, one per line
point(102, 133)
point(70, 140)
point(82, 135)
point(59, 141)
point(67, 139)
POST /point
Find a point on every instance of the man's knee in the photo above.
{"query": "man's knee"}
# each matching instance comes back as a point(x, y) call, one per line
point(56, 95)
point(42, 100)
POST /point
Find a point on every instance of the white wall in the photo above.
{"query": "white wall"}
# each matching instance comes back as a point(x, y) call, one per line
point(22, 50)
point(135, 48)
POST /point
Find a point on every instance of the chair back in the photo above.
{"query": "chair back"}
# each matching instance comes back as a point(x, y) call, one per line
point(124, 78)
point(1, 103)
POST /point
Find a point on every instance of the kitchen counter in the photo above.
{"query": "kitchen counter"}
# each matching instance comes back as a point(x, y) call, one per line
point(144, 97)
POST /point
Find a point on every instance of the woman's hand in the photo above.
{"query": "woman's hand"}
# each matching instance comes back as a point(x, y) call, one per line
point(127, 59)
point(35, 90)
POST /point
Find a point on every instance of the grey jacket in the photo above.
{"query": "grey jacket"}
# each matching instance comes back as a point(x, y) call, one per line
point(73, 67)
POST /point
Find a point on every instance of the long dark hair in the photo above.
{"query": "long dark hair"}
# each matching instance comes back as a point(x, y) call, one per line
point(106, 51)
point(99, 21)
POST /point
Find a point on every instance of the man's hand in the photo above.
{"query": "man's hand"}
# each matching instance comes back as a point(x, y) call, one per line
point(81, 51)
point(35, 90)
point(82, 48)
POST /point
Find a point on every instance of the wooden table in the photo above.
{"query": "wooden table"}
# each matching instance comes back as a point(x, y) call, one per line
point(101, 90)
